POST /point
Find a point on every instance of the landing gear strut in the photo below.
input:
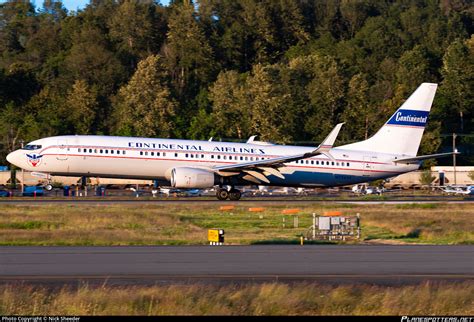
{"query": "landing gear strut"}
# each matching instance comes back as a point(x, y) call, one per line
point(233, 194)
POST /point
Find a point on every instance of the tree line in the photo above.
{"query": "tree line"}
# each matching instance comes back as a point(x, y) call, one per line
point(285, 70)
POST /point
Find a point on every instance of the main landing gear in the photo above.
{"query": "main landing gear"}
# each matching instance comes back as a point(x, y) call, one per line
point(232, 194)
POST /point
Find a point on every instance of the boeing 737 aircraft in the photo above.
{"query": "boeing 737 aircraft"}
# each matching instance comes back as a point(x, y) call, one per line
point(204, 164)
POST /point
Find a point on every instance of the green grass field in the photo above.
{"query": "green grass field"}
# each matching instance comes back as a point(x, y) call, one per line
point(172, 224)
point(246, 299)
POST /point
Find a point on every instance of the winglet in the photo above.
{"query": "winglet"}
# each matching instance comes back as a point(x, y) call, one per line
point(328, 142)
point(251, 139)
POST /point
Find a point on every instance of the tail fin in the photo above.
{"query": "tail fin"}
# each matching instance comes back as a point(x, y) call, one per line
point(402, 133)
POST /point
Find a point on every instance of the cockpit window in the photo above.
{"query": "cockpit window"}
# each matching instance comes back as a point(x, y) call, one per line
point(32, 147)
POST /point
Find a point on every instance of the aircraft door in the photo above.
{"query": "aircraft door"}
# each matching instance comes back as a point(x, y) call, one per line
point(63, 150)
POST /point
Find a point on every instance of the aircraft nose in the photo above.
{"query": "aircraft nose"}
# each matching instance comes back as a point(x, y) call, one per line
point(13, 158)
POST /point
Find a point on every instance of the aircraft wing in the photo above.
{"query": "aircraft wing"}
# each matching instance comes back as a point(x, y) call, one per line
point(424, 157)
point(256, 171)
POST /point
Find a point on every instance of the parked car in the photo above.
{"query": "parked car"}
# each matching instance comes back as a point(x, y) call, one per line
point(32, 191)
point(4, 193)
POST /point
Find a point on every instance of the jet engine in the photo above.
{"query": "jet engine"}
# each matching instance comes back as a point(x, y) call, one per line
point(192, 178)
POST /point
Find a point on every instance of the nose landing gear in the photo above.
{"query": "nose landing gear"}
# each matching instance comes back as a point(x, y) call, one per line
point(233, 194)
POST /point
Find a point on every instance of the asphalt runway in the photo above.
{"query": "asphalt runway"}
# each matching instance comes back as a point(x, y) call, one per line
point(236, 264)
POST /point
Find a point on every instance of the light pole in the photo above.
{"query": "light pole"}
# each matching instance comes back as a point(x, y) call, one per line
point(454, 157)
point(22, 172)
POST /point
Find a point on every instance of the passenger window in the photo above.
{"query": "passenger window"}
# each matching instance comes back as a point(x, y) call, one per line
point(348, 164)
point(118, 152)
point(106, 151)
point(164, 154)
point(186, 155)
point(224, 157)
point(123, 152)
point(111, 151)
point(152, 154)
point(141, 152)
point(230, 157)
point(176, 155)
point(218, 157)
point(332, 163)
point(212, 156)
point(78, 150)
point(146, 152)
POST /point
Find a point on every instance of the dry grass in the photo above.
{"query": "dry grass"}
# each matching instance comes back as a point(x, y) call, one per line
point(254, 299)
point(174, 224)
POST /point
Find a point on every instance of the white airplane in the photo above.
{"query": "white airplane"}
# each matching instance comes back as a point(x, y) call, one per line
point(205, 164)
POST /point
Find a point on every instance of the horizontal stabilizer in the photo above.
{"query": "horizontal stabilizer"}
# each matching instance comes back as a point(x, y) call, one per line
point(424, 157)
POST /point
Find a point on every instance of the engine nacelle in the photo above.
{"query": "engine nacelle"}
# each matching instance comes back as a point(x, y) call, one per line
point(192, 178)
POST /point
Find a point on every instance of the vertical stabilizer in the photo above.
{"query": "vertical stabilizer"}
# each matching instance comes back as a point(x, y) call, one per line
point(402, 133)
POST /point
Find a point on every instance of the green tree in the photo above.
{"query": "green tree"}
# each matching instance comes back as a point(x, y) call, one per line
point(229, 106)
point(267, 106)
point(47, 109)
point(144, 106)
point(187, 53)
point(458, 77)
point(326, 92)
point(91, 60)
point(471, 175)
point(10, 132)
point(17, 20)
point(360, 114)
point(426, 178)
point(413, 69)
point(82, 104)
point(137, 28)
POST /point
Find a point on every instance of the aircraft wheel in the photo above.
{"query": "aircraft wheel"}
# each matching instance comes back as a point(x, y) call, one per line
point(222, 194)
point(235, 195)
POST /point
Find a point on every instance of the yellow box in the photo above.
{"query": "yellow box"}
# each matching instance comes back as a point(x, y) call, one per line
point(213, 235)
